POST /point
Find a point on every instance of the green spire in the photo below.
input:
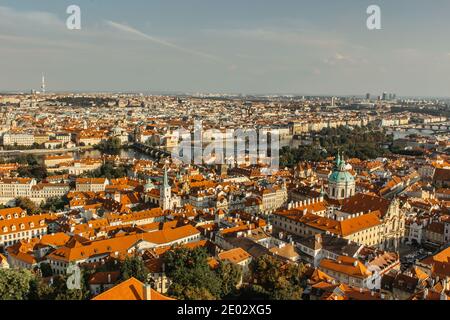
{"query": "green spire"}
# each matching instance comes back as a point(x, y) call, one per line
point(338, 160)
point(342, 164)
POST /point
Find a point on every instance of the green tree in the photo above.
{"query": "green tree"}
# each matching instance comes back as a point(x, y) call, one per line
point(191, 293)
point(358, 142)
point(39, 290)
point(111, 146)
point(27, 204)
point(55, 204)
point(188, 268)
point(276, 278)
point(230, 275)
point(62, 292)
point(109, 171)
point(134, 267)
point(15, 284)
point(46, 270)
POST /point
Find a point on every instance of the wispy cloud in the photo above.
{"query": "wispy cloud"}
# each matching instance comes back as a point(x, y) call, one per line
point(339, 58)
point(283, 36)
point(131, 30)
point(9, 16)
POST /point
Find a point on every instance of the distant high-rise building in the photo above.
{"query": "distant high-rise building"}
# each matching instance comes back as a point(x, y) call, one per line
point(385, 96)
point(43, 84)
point(367, 96)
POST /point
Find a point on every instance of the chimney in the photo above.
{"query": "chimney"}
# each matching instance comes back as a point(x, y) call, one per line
point(147, 292)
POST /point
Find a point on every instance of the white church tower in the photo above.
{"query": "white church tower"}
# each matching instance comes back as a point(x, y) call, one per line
point(165, 195)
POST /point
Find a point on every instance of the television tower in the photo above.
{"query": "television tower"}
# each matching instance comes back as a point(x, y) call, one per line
point(43, 84)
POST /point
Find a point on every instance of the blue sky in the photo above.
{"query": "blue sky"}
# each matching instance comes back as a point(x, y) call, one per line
point(246, 46)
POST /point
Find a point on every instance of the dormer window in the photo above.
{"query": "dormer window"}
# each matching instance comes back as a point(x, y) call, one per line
point(41, 222)
point(31, 224)
point(16, 215)
point(13, 228)
point(22, 226)
point(8, 217)
point(5, 229)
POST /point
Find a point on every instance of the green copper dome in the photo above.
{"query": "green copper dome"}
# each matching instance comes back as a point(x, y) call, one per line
point(341, 176)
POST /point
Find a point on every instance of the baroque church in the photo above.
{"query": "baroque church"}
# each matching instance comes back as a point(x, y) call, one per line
point(346, 203)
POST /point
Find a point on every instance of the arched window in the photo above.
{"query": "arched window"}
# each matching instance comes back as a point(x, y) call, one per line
point(342, 193)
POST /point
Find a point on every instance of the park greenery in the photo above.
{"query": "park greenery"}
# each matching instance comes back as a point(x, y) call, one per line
point(30, 166)
point(54, 204)
point(108, 170)
point(193, 279)
point(271, 278)
point(110, 146)
point(133, 267)
point(22, 284)
point(359, 142)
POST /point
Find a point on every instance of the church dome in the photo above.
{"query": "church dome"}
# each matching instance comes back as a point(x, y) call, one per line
point(341, 176)
point(340, 173)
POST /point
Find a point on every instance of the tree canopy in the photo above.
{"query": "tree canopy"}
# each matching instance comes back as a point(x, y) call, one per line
point(108, 170)
point(28, 205)
point(134, 267)
point(359, 142)
point(275, 280)
point(193, 279)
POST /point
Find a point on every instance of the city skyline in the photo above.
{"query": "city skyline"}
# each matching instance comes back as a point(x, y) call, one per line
point(291, 48)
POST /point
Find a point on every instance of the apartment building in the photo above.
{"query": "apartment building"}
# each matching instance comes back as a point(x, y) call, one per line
point(22, 228)
point(20, 139)
point(350, 271)
point(76, 252)
point(53, 161)
point(13, 188)
point(91, 184)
